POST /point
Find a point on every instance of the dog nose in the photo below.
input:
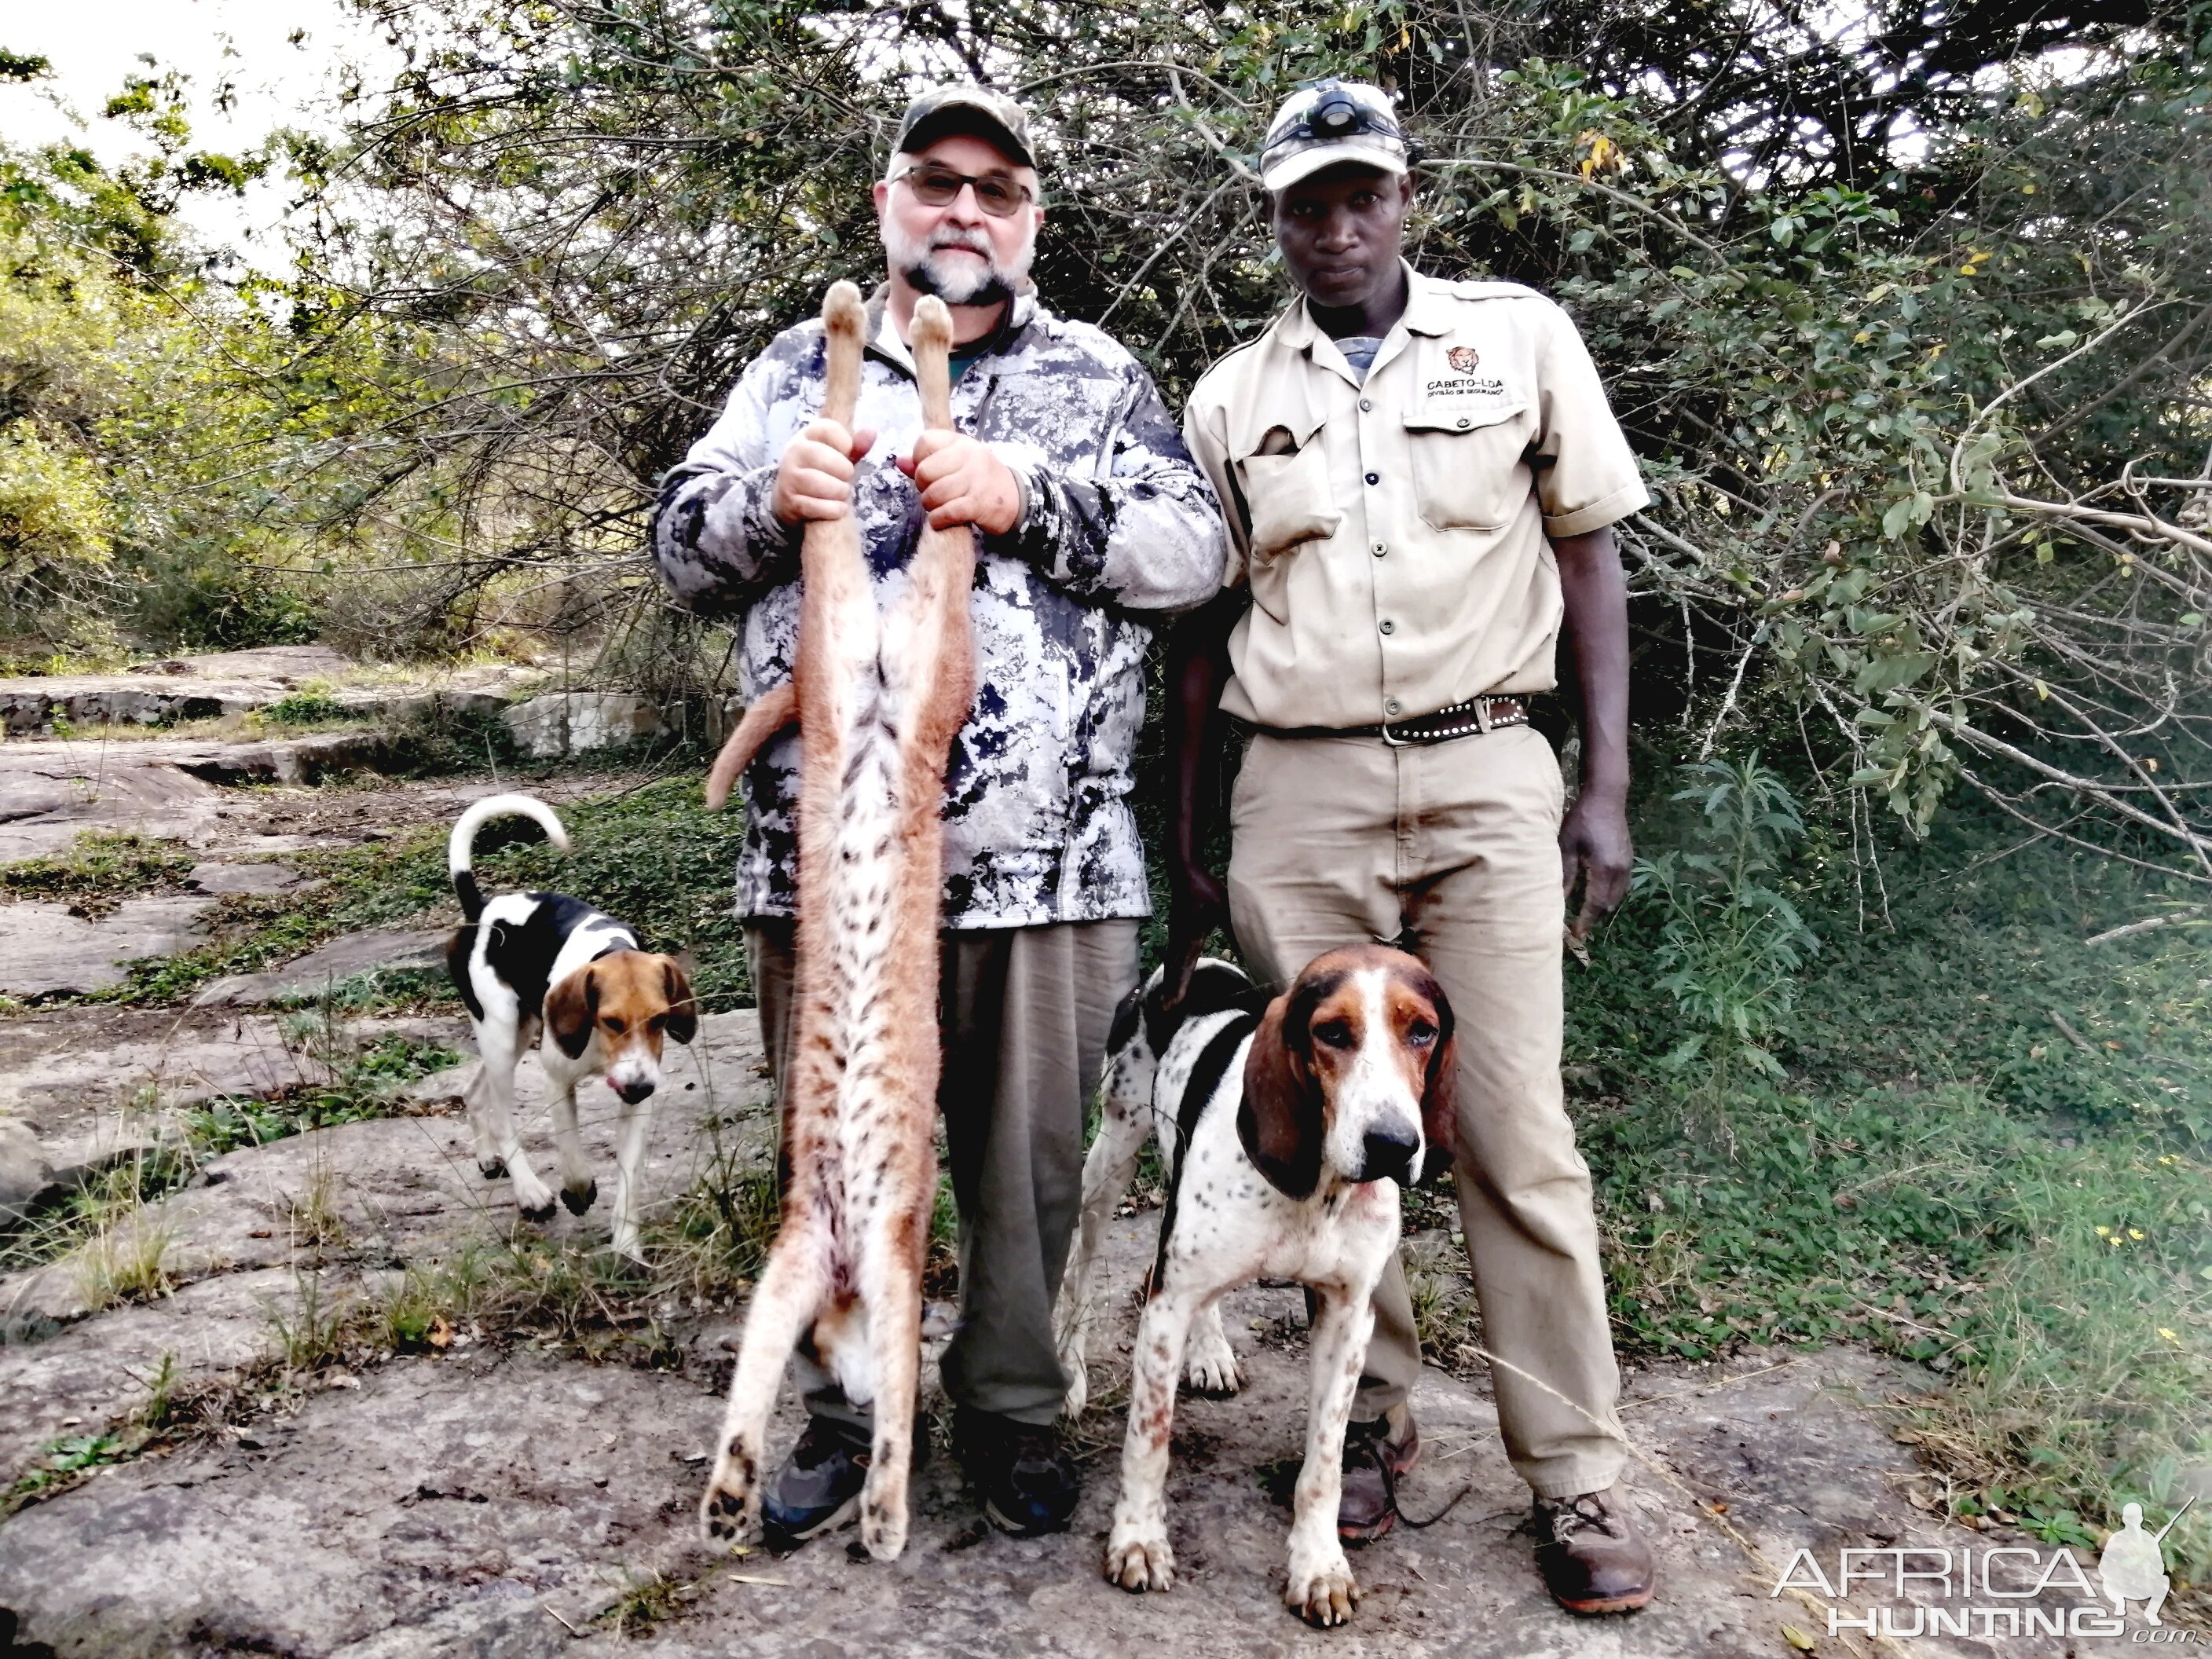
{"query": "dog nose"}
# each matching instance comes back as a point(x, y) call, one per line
point(634, 1092)
point(1387, 1154)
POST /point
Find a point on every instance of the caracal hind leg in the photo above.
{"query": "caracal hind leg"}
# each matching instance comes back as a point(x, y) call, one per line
point(894, 1297)
point(789, 1290)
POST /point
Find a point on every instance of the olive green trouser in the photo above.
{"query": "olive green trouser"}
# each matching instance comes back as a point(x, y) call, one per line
point(1453, 849)
point(1024, 1012)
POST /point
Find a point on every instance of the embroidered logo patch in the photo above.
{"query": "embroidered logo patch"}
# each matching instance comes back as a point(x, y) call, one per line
point(1464, 360)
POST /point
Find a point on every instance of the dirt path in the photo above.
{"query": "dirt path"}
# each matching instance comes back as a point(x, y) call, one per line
point(516, 1483)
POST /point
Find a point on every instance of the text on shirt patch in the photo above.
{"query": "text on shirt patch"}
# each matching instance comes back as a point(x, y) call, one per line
point(1467, 385)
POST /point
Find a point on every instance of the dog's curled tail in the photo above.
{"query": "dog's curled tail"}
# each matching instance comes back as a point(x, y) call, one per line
point(460, 845)
point(767, 715)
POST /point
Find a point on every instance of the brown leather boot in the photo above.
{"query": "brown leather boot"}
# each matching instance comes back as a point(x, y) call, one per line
point(1377, 1453)
point(1592, 1558)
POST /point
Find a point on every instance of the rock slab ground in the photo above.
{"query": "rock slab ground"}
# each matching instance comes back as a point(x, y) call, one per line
point(498, 1499)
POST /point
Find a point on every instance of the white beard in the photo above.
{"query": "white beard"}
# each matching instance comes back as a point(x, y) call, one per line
point(959, 283)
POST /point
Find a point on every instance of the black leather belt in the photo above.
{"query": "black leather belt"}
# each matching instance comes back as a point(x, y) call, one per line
point(1461, 720)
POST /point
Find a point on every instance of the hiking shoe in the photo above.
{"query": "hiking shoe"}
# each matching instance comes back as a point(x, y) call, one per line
point(1591, 1556)
point(1028, 1481)
point(1374, 1459)
point(818, 1488)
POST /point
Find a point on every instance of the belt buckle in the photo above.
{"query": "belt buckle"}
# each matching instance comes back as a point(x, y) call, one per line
point(1388, 740)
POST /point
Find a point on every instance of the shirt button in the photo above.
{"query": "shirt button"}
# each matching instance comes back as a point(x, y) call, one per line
point(1379, 549)
point(1366, 405)
point(1374, 477)
point(1390, 627)
point(1464, 423)
point(1390, 707)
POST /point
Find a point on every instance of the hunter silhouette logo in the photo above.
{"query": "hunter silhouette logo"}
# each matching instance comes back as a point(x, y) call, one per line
point(2133, 1567)
point(1464, 360)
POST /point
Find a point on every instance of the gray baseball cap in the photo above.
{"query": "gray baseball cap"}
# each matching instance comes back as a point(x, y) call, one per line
point(966, 108)
point(1327, 125)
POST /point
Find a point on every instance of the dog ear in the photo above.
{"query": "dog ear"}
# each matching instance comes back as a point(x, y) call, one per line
point(683, 1008)
point(1440, 1096)
point(571, 1007)
point(1280, 1120)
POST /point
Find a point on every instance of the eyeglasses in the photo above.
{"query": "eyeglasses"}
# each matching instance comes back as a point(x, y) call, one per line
point(936, 186)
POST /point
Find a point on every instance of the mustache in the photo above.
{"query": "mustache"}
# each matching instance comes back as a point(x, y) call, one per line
point(974, 241)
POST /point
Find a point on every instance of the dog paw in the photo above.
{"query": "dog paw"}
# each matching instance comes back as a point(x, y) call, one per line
point(730, 1512)
point(1324, 1595)
point(492, 1167)
point(1140, 1564)
point(532, 1197)
point(580, 1198)
point(882, 1529)
point(1212, 1367)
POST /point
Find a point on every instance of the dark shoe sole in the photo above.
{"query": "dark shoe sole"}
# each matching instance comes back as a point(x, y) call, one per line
point(843, 1515)
point(1614, 1604)
point(997, 1517)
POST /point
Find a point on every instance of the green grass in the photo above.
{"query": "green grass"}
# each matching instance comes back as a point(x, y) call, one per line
point(123, 1245)
point(1942, 1172)
point(652, 855)
point(309, 705)
point(100, 871)
point(358, 1082)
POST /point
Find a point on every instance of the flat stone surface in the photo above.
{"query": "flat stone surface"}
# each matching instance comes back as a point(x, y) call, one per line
point(51, 792)
point(89, 1080)
point(494, 1500)
point(400, 1189)
point(223, 877)
point(325, 966)
point(44, 950)
point(497, 1502)
point(24, 1170)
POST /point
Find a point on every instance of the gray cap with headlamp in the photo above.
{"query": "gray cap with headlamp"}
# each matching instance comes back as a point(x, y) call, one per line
point(1328, 124)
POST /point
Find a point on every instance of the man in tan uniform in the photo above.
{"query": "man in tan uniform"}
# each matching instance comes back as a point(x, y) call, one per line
point(1419, 475)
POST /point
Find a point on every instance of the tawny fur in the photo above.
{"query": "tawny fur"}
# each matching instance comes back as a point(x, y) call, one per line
point(879, 697)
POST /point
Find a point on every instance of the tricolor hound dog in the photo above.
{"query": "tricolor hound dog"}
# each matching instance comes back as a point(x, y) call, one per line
point(526, 960)
point(1286, 1123)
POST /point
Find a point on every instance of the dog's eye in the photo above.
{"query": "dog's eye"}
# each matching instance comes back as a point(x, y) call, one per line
point(656, 1022)
point(1333, 1032)
point(615, 1025)
point(1420, 1034)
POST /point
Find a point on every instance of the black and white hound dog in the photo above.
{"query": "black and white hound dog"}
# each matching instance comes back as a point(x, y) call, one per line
point(528, 961)
point(1290, 1125)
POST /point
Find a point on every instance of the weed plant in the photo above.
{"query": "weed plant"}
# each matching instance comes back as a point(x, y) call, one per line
point(1932, 1164)
point(652, 854)
point(100, 871)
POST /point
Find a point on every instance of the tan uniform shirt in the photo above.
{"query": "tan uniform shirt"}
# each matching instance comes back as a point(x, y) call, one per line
point(1395, 534)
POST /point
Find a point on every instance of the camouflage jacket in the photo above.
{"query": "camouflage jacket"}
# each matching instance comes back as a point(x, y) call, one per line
point(1117, 525)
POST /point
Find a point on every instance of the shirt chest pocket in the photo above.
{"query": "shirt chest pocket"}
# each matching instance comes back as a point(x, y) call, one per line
point(1282, 468)
point(1468, 467)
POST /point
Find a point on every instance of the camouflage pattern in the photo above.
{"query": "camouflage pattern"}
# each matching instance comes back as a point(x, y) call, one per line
point(1117, 526)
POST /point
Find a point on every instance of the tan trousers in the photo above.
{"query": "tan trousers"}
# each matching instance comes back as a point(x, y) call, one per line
point(1452, 848)
point(1025, 1013)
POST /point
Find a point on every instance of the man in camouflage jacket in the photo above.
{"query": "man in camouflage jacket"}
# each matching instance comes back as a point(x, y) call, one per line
point(1093, 521)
